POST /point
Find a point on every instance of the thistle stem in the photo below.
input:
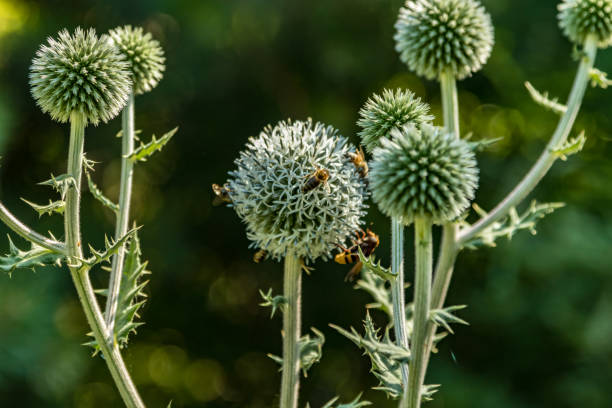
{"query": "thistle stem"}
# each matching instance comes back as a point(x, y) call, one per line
point(290, 382)
point(397, 292)
point(26, 232)
point(422, 300)
point(80, 273)
point(123, 217)
point(548, 156)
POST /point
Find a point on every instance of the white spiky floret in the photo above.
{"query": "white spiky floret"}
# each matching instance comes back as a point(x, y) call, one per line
point(266, 190)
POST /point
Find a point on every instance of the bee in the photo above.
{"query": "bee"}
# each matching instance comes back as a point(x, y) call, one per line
point(358, 159)
point(320, 176)
point(367, 241)
point(260, 255)
point(222, 194)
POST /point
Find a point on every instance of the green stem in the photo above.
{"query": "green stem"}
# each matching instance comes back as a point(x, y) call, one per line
point(548, 156)
point(290, 382)
point(26, 232)
point(123, 217)
point(422, 299)
point(80, 274)
point(397, 292)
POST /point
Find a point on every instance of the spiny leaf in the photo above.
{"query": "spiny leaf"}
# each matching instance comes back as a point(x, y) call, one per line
point(445, 317)
point(61, 183)
point(483, 144)
point(54, 207)
point(356, 403)
point(99, 195)
point(375, 267)
point(376, 287)
point(274, 302)
point(111, 247)
point(144, 151)
point(512, 223)
point(311, 351)
point(599, 79)
point(28, 259)
point(543, 100)
point(571, 146)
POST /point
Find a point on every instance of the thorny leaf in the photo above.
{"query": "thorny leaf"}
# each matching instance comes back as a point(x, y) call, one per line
point(376, 267)
point(111, 248)
point(571, 146)
point(61, 183)
point(275, 302)
point(599, 79)
point(311, 351)
point(376, 287)
point(356, 403)
point(512, 223)
point(146, 150)
point(54, 207)
point(99, 195)
point(543, 100)
point(483, 144)
point(445, 317)
point(28, 259)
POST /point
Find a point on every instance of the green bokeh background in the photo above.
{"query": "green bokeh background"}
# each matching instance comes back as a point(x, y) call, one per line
point(540, 307)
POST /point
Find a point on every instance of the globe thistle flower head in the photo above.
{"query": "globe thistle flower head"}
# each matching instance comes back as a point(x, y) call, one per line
point(580, 18)
point(284, 209)
point(433, 36)
point(381, 113)
point(82, 73)
point(144, 54)
point(423, 173)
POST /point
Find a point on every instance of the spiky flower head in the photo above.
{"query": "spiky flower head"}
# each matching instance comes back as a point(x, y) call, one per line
point(579, 18)
point(80, 73)
point(268, 190)
point(144, 54)
point(423, 172)
point(381, 113)
point(433, 36)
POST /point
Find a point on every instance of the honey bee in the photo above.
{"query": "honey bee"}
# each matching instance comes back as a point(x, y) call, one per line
point(222, 194)
point(260, 255)
point(368, 242)
point(358, 159)
point(320, 176)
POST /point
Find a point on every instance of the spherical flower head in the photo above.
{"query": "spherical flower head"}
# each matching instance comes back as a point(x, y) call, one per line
point(272, 190)
point(144, 54)
point(381, 113)
point(80, 73)
point(580, 18)
point(423, 173)
point(434, 36)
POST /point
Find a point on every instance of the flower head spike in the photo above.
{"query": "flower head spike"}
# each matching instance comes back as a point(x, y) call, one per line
point(433, 36)
point(80, 73)
point(272, 190)
point(579, 18)
point(144, 54)
point(381, 113)
point(423, 172)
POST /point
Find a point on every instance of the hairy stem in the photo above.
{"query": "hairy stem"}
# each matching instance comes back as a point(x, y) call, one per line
point(26, 232)
point(397, 292)
point(290, 382)
point(548, 156)
point(123, 217)
point(422, 299)
point(80, 274)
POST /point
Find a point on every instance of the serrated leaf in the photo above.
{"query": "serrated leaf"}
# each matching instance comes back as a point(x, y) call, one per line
point(111, 247)
point(377, 288)
point(512, 223)
point(146, 150)
point(375, 267)
point(99, 195)
point(54, 207)
point(274, 302)
point(61, 183)
point(571, 146)
point(599, 79)
point(483, 144)
point(445, 317)
point(356, 403)
point(543, 100)
point(311, 351)
point(36, 256)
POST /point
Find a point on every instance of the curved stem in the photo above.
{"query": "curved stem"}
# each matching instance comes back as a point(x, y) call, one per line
point(80, 274)
point(422, 300)
point(24, 231)
point(548, 156)
point(397, 292)
point(290, 382)
point(123, 218)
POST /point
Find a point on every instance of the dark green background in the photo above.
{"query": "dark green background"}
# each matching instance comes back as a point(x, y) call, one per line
point(540, 307)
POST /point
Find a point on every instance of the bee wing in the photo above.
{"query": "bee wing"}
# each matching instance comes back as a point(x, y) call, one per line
point(353, 272)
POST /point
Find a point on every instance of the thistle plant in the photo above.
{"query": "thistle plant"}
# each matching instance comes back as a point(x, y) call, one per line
point(83, 78)
point(294, 217)
point(427, 176)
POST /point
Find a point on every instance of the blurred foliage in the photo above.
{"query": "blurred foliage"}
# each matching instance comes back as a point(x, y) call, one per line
point(540, 307)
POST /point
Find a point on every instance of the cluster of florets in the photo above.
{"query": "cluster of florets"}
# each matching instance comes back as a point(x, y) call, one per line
point(283, 207)
point(580, 18)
